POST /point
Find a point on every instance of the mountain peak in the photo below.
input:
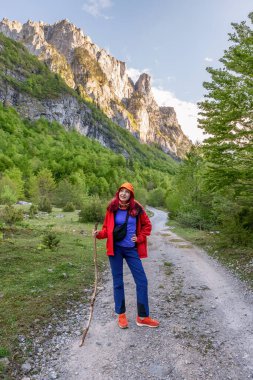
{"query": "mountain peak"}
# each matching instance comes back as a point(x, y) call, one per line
point(102, 78)
point(143, 84)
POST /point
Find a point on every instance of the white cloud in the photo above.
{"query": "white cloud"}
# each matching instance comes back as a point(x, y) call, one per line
point(96, 7)
point(208, 59)
point(187, 112)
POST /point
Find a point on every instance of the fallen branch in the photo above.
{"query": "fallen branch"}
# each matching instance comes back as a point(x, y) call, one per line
point(93, 298)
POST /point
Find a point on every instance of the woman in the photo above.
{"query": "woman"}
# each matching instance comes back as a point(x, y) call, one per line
point(125, 209)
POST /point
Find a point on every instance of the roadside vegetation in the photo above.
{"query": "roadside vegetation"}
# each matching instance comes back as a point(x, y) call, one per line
point(211, 194)
point(46, 262)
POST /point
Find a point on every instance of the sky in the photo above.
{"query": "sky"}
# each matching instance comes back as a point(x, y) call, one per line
point(171, 40)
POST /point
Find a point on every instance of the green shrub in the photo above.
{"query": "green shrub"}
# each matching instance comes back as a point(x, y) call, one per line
point(69, 207)
point(156, 197)
point(191, 218)
point(10, 215)
point(51, 240)
point(45, 205)
point(235, 221)
point(33, 210)
point(93, 210)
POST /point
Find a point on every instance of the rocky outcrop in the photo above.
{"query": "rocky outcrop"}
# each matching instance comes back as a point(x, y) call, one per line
point(66, 110)
point(99, 77)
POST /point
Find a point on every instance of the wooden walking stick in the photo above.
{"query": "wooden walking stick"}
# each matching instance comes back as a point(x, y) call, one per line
point(85, 331)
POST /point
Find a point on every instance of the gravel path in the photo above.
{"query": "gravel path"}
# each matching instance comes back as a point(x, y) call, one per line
point(206, 317)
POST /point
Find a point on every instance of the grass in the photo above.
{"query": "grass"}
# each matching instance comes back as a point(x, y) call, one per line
point(36, 281)
point(168, 268)
point(237, 258)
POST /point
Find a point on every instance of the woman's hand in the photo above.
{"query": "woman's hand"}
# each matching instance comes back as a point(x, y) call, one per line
point(94, 233)
point(134, 238)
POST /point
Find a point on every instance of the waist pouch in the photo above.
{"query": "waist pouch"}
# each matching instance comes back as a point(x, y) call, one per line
point(119, 232)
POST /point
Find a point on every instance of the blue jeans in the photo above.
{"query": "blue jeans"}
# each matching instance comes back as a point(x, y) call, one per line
point(135, 265)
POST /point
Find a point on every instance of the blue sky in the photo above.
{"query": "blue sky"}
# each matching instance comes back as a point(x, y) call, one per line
point(173, 40)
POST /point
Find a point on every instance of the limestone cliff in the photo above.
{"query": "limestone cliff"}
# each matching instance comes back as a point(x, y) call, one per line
point(96, 75)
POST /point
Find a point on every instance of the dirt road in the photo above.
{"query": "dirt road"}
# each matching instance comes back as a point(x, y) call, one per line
point(206, 318)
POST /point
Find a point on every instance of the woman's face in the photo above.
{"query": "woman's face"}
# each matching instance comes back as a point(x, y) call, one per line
point(124, 195)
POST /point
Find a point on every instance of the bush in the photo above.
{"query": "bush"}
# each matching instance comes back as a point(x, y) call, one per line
point(156, 197)
point(10, 215)
point(235, 221)
point(32, 211)
point(50, 240)
point(93, 210)
point(45, 205)
point(69, 207)
point(191, 218)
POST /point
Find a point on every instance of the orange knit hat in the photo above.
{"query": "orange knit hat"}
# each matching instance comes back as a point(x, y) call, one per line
point(127, 186)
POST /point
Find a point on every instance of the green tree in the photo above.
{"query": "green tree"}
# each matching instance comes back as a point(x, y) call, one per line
point(11, 186)
point(67, 192)
point(227, 117)
point(15, 175)
point(42, 186)
point(93, 210)
point(8, 193)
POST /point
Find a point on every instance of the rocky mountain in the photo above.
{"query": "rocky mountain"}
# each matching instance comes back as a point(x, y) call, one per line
point(99, 78)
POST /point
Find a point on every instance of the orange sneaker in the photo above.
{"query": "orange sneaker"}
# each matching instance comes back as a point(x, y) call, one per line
point(122, 321)
point(147, 321)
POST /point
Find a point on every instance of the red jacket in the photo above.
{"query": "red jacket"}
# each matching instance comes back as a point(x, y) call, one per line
point(143, 229)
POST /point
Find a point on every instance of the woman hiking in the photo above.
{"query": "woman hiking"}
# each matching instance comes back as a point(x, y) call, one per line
point(126, 227)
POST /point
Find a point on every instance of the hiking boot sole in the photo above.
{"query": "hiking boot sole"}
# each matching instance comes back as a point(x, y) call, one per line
point(123, 327)
point(143, 325)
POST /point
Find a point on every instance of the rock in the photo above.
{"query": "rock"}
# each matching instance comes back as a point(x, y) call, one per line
point(53, 375)
point(21, 338)
point(4, 361)
point(26, 367)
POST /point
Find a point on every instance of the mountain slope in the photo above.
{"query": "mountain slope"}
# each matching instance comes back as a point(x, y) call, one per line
point(103, 79)
point(33, 146)
point(28, 84)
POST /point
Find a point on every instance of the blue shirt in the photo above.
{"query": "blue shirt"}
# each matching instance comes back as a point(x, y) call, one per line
point(120, 218)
